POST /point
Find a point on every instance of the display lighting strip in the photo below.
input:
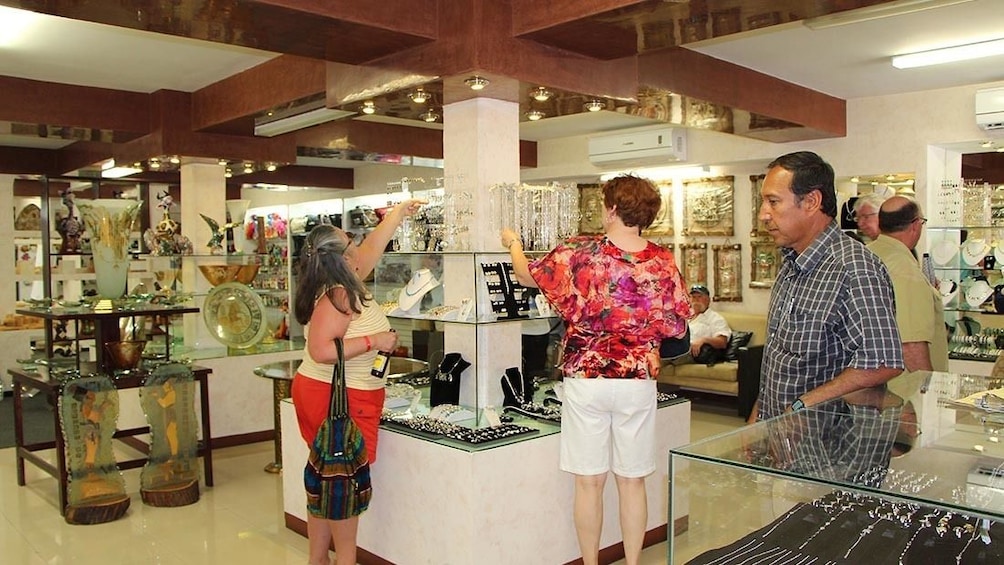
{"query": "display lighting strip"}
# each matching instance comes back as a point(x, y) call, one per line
point(949, 54)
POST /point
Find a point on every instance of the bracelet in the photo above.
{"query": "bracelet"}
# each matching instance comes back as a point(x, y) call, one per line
point(509, 247)
point(369, 344)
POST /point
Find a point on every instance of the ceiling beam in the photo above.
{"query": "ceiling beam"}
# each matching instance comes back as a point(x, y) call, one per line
point(276, 82)
point(693, 74)
point(299, 175)
point(51, 103)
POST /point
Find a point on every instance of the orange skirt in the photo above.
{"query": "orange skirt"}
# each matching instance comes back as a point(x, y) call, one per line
point(311, 398)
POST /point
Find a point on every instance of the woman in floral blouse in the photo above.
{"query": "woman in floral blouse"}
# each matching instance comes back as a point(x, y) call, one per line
point(619, 295)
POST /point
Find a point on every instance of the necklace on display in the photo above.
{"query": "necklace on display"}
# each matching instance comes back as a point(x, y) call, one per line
point(447, 376)
point(973, 251)
point(419, 281)
point(521, 396)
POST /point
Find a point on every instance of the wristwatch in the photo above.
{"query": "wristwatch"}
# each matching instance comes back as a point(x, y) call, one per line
point(797, 405)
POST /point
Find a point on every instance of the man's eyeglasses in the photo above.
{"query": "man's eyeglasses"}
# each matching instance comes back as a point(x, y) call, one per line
point(858, 217)
point(922, 220)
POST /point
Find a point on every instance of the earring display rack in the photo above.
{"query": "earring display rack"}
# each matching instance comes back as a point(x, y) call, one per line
point(507, 295)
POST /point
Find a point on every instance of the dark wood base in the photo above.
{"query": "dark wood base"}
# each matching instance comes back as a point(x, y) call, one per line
point(168, 496)
point(97, 512)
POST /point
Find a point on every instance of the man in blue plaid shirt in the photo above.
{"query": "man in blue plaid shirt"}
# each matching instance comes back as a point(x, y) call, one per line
point(831, 324)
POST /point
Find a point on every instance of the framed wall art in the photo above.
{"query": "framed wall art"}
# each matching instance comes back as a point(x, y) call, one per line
point(663, 224)
point(694, 28)
point(759, 228)
point(590, 209)
point(764, 264)
point(693, 258)
point(708, 206)
point(726, 22)
point(728, 272)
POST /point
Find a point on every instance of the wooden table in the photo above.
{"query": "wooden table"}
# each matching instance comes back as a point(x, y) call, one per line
point(53, 388)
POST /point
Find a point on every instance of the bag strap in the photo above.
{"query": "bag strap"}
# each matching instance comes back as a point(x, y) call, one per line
point(338, 406)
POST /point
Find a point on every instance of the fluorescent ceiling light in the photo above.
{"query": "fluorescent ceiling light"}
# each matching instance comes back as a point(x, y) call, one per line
point(15, 24)
point(110, 171)
point(875, 12)
point(949, 54)
point(298, 121)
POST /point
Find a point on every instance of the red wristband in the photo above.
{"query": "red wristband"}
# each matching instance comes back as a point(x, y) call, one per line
point(369, 344)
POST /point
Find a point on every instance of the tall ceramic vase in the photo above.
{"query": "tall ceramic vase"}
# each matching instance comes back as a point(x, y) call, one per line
point(109, 222)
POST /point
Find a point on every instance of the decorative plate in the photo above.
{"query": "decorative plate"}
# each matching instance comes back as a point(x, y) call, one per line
point(235, 315)
point(28, 218)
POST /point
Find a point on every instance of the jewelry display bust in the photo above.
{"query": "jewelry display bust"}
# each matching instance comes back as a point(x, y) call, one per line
point(422, 281)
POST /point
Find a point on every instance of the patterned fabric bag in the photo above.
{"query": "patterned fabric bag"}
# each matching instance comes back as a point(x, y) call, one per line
point(337, 474)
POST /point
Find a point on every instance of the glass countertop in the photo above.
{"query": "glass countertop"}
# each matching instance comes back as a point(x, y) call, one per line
point(924, 437)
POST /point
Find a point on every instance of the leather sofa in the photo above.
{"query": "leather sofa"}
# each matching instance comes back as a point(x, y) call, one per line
point(732, 378)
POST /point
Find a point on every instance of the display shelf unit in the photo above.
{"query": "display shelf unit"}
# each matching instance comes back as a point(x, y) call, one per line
point(887, 475)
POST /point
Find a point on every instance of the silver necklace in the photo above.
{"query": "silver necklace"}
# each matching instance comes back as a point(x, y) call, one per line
point(521, 397)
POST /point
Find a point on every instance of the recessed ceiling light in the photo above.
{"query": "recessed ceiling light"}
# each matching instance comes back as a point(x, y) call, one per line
point(987, 144)
point(534, 115)
point(429, 116)
point(540, 94)
point(855, 179)
point(368, 107)
point(476, 82)
point(248, 168)
point(271, 167)
point(418, 96)
point(595, 105)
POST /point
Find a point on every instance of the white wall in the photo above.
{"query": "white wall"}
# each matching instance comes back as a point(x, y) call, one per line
point(887, 134)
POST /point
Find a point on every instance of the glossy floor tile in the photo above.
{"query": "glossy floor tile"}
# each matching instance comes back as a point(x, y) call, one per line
point(238, 521)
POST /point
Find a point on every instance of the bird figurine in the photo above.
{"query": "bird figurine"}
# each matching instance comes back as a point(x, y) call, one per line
point(215, 244)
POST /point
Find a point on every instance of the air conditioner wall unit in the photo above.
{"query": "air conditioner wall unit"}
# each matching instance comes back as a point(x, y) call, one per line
point(637, 148)
point(990, 109)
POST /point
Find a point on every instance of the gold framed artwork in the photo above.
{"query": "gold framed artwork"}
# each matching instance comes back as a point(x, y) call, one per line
point(590, 209)
point(663, 224)
point(728, 272)
point(759, 228)
point(693, 258)
point(765, 260)
point(708, 206)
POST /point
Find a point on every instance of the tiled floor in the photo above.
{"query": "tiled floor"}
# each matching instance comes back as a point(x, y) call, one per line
point(237, 521)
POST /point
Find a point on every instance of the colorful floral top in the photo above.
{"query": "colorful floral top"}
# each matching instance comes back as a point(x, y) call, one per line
point(617, 306)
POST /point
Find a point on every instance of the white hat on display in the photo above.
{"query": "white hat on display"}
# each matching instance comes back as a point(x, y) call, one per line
point(422, 281)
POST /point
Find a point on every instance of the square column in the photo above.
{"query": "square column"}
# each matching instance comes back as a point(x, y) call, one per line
point(480, 149)
point(203, 191)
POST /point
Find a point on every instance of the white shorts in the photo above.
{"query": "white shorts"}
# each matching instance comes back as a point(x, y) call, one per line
point(596, 411)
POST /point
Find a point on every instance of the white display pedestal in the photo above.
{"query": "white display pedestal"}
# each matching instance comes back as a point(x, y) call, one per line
point(511, 504)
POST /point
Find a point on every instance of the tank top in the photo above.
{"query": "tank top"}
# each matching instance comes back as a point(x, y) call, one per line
point(357, 369)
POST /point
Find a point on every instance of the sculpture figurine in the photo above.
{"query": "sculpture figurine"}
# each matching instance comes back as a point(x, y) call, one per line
point(215, 244)
point(164, 238)
point(69, 226)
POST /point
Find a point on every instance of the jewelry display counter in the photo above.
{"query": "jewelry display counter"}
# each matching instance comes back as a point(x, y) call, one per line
point(908, 473)
point(438, 501)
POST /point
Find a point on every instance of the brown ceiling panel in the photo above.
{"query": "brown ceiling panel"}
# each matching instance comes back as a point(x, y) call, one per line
point(275, 82)
point(345, 31)
point(610, 29)
point(372, 137)
point(28, 161)
point(40, 102)
point(299, 175)
point(82, 154)
point(693, 74)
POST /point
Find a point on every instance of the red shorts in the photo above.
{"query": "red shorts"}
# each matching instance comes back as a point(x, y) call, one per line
point(311, 398)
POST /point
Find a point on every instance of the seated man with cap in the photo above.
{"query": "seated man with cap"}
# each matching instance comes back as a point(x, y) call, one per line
point(709, 332)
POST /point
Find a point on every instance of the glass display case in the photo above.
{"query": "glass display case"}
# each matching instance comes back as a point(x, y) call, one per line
point(908, 473)
point(967, 263)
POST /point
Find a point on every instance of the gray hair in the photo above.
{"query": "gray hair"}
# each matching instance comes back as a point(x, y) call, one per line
point(873, 200)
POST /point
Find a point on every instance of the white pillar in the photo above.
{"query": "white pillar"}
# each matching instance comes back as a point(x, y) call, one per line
point(203, 191)
point(480, 149)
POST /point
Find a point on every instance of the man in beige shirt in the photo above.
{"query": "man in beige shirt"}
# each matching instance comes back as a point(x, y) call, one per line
point(919, 311)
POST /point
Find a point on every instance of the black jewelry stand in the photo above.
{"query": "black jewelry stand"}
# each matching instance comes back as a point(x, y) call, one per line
point(445, 385)
point(503, 290)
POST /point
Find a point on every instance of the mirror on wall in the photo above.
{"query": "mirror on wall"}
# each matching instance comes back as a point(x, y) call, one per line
point(850, 189)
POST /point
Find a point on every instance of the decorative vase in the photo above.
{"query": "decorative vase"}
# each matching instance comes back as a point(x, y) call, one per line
point(236, 211)
point(109, 222)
